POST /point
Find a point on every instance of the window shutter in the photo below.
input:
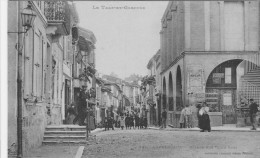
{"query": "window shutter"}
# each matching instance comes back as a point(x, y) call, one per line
point(69, 49)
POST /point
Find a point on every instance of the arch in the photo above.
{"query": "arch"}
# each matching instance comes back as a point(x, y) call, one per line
point(164, 93)
point(179, 102)
point(170, 94)
point(222, 86)
point(252, 58)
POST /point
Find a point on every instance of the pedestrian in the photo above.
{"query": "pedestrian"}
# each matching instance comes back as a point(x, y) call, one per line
point(122, 122)
point(204, 118)
point(137, 122)
point(106, 124)
point(110, 123)
point(253, 109)
point(187, 114)
point(91, 123)
point(82, 106)
point(145, 122)
point(131, 122)
point(164, 117)
point(71, 114)
point(182, 118)
point(198, 115)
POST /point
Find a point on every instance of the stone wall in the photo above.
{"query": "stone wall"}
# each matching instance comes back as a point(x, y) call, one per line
point(34, 123)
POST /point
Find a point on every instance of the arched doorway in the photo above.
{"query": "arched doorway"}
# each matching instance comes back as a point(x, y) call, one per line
point(221, 90)
point(170, 94)
point(164, 94)
point(179, 102)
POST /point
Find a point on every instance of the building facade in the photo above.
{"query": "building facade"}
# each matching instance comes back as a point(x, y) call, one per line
point(47, 67)
point(210, 52)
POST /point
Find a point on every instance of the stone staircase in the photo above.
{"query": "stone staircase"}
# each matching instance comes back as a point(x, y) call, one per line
point(250, 86)
point(64, 134)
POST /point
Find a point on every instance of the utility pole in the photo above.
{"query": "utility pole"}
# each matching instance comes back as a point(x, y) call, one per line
point(87, 121)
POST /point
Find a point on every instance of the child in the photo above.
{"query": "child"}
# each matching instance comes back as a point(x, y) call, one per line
point(182, 118)
point(188, 115)
point(122, 122)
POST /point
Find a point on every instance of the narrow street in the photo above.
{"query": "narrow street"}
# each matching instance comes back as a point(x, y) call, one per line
point(159, 143)
point(74, 67)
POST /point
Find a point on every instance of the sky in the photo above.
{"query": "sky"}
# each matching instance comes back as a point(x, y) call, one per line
point(126, 38)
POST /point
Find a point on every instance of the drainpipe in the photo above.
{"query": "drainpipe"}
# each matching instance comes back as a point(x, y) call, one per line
point(19, 88)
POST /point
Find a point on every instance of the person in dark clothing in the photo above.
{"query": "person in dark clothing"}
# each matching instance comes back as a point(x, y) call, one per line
point(110, 123)
point(106, 124)
point(198, 115)
point(127, 121)
point(82, 106)
point(71, 114)
point(137, 122)
point(164, 117)
point(141, 122)
point(204, 118)
point(145, 122)
point(131, 122)
point(253, 109)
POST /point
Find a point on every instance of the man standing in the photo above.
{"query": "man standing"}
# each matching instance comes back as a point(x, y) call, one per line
point(253, 109)
point(82, 104)
point(164, 117)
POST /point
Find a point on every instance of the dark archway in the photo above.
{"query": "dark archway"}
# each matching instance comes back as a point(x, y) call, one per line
point(221, 90)
point(164, 94)
point(179, 102)
point(170, 94)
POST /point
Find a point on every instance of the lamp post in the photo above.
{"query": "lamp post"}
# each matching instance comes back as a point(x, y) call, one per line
point(27, 19)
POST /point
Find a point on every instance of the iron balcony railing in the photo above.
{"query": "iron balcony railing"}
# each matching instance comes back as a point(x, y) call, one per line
point(54, 11)
point(58, 13)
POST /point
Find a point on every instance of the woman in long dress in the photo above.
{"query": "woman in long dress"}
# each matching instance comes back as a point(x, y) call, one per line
point(204, 121)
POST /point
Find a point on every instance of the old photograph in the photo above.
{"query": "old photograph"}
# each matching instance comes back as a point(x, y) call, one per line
point(133, 79)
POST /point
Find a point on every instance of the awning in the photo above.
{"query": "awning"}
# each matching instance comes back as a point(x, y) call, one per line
point(88, 35)
point(84, 45)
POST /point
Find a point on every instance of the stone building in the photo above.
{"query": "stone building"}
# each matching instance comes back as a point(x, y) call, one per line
point(83, 62)
point(48, 55)
point(210, 52)
point(153, 102)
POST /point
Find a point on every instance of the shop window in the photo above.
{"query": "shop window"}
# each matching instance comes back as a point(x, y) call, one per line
point(228, 75)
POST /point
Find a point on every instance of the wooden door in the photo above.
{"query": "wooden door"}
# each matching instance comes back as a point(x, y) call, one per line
point(228, 106)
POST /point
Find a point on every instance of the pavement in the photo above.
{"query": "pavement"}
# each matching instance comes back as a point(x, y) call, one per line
point(76, 151)
point(59, 151)
point(226, 128)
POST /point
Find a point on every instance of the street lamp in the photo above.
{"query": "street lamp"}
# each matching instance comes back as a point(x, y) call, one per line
point(26, 20)
point(28, 17)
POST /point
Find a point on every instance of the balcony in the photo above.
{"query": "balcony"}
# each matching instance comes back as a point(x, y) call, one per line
point(58, 17)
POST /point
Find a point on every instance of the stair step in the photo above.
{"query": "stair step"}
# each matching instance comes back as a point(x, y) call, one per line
point(66, 128)
point(63, 142)
point(64, 137)
point(61, 133)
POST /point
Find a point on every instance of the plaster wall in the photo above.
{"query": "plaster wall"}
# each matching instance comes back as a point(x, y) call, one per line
point(12, 76)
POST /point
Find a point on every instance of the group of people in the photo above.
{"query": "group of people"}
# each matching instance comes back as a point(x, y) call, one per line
point(186, 117)
point(132, 121)
point(126, 121)
point(77, 114)
point(129, 121)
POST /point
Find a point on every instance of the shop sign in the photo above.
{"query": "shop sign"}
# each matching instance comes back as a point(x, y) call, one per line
point(218, 75)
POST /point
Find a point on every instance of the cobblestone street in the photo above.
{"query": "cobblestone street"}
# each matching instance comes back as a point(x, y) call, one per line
point(186, 144)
